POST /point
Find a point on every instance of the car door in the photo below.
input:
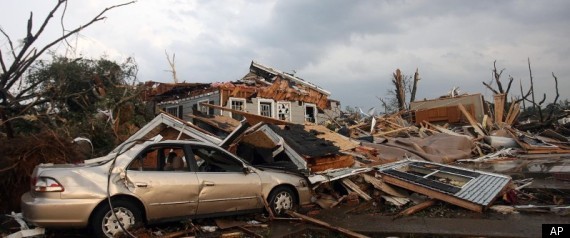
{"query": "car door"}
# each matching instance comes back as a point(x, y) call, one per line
point(224, 186)
point(162, 179)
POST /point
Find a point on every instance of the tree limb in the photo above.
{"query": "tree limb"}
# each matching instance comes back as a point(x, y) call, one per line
point(9, 42)
point(522, 95)
point(30, 39)
point(509, 85)
point(2, 63)
point(491, 88)
point(498, 76)
point(555, 99)
point(35, 56)
point(543, 99)
point(415, 86)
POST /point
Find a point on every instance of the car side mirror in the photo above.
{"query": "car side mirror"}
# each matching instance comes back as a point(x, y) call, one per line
point(247, 169)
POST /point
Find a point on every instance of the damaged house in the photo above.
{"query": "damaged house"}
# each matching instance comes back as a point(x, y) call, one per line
point(446, 110)
point(262, 91)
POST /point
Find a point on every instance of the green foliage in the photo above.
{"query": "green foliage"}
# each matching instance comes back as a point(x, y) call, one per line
point(75, 91)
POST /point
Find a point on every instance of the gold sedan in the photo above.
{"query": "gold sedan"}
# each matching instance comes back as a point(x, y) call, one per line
point(154, 182)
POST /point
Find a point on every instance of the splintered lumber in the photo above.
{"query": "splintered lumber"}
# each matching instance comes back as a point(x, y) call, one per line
point(380, 185)
point(399, 202)
point(383, 133)
point(341, 230)
point(434, 194)
point(514, 111)
point(486, 125)
point(356, 189)
point(499, 107)
point(471, 120)
point(446, 131)
point(416, 208)
point(267, 208)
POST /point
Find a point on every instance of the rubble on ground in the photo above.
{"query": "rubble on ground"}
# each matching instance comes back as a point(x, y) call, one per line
point(458, 151)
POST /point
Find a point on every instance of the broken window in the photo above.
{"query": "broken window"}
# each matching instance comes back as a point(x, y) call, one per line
point(204, 109)
point(284, 111)
point(265, 108)
point(160, 158)
point(310, 113)
point(173, 111)
point(210, 159)
point(237, 104)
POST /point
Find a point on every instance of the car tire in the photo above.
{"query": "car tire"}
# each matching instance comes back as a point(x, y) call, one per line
point(104, 223)
point(282, 199)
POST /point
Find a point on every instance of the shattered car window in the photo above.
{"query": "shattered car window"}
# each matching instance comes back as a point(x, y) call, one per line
point(160, 158)
point(212, 160)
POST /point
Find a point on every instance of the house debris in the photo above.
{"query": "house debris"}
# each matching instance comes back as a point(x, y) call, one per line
point(457, 149)
point(263, 91)
point(465, 188)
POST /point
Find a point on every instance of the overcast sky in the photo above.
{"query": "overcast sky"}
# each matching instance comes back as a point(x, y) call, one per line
point(350, 48)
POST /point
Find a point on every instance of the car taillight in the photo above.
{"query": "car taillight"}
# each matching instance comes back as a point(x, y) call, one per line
point(45, 184)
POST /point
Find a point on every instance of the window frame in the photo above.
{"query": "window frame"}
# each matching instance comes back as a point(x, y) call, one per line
point(288, 114)
point(242, 164)
point(176, 107)
point(315, 112)
point(261, 101)
point(207, 112)
point(161, 159)
point(231, 106)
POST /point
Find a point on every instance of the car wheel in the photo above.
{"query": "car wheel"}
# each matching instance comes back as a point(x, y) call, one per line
point(281, 200)
point(105, 224)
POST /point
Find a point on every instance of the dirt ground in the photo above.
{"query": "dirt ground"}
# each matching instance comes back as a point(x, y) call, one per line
point(375, 220)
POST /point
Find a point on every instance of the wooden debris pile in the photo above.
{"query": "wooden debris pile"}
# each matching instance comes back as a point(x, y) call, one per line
point(394, 183)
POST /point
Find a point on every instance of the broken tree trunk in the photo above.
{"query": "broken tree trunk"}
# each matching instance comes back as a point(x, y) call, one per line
point(400, 89)
point(326, 225)
point(415, 87)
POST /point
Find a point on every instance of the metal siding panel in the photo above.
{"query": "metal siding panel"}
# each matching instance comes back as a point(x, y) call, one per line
point(481, 190)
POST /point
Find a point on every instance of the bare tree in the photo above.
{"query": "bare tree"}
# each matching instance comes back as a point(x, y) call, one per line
point(529, 96)
point(415, 86)
point(400, 85)
point(172, 66)
point(15, 103)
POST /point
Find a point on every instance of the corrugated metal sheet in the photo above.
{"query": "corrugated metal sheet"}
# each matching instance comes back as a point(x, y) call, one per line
point(481, 189)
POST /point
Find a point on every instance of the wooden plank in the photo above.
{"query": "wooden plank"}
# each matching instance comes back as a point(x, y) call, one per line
point(389, 122)
point(442, 130)
point(380, 185)
point(416, 208)
point(471, 120)
point(513, 113)
point(433, 194)
point(356, 189)
point(341, 230)
point(383, 133)
point(486, 125)
point(499, 107)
